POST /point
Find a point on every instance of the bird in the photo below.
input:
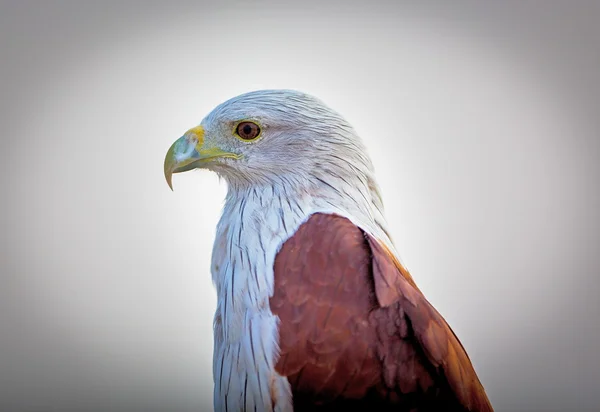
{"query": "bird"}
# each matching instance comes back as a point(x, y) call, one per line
point(315, 311)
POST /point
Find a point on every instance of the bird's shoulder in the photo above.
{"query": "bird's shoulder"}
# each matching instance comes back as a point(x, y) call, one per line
point(355, 331)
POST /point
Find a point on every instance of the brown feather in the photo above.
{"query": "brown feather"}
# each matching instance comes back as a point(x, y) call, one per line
point(356, 332)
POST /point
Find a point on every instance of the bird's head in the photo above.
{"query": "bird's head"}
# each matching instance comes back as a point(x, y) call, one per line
point(269, 136)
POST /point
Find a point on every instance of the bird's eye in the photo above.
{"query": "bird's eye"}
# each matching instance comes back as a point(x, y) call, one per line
point(247, 130)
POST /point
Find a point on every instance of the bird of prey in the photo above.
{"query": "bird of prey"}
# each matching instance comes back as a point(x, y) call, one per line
point(315, 310)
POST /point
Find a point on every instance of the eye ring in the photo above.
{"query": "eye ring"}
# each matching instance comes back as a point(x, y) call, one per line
point(247, 130)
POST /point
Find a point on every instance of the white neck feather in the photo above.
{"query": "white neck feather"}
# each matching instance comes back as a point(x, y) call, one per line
point(256, 221)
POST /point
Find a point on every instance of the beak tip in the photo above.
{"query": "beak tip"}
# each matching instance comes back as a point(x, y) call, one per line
point(168, 167)
point(168, 177)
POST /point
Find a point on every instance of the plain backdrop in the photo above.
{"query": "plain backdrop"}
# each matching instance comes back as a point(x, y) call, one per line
point(482, 119)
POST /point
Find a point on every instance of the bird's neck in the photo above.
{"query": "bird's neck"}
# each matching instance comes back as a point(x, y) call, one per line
point(256, 221)
point(254, 224)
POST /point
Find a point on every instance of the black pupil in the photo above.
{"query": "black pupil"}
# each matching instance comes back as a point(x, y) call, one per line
point(247, 129)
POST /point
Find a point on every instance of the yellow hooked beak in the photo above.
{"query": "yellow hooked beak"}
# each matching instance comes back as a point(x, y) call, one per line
point(189, 152)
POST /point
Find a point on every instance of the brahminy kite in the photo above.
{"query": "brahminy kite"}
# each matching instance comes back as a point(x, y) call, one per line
point(315, 310)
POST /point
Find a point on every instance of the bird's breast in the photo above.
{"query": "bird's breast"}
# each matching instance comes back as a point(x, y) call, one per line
point(248, 236)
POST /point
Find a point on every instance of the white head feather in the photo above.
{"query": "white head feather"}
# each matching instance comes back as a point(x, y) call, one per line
point(305, 147)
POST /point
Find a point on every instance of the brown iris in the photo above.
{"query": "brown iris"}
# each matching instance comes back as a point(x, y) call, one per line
point(247, 130)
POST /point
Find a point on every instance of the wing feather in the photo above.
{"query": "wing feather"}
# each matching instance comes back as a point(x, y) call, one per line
point(355, 331)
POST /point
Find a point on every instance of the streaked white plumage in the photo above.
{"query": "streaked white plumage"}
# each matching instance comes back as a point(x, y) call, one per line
point(308, 160)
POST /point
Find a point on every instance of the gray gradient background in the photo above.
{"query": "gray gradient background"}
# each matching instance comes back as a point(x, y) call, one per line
point(482, 120)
